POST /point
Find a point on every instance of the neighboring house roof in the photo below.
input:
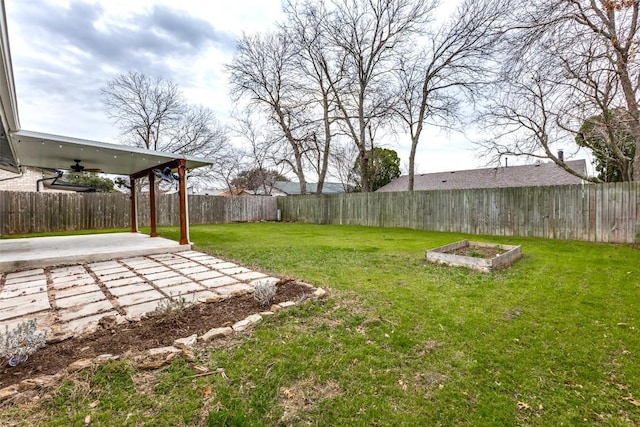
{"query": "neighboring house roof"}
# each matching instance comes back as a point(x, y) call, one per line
point(290, 188)
point(542, 174)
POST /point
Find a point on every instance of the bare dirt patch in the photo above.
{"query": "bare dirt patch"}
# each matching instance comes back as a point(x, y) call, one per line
point(302, 396)
point(478, 251)
point(151, 332)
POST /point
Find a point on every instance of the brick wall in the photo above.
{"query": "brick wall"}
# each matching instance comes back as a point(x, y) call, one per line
point(10, 181)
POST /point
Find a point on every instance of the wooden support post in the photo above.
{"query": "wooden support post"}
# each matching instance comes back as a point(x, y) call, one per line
point(152, 203)
point(184, 218)
point(134, 208)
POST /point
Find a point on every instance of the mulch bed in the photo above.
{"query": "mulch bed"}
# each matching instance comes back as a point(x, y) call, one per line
point(150, 332)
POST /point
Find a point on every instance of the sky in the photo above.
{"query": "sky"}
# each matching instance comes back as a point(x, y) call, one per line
point(64, 51)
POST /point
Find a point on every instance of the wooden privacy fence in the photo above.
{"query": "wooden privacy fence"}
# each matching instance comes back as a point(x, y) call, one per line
point(598, 213)
point(30, 212)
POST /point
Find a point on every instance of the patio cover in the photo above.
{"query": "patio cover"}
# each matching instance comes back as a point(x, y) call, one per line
point(60, 152)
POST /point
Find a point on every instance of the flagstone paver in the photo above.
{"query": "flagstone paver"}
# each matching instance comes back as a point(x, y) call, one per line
point(140, 309)
point(130, 289)
point(219, 281)
point(84, 293)
point(63, 282)
point(77, 290)
point(83, 310)
point(171, 281)
point(26, 279)
point(104, 265)
point(184, 265)
point(140, 297)
point(193, 270)
point(122, 282)
point(126, 273)
point(249, 275)
point(225, 265)
point(153, 270)
point(36, 271)
point(184, 288)
point(236, 289)
point(9, 308)
point(80, 299)
point(208, 274)
point(234, 270)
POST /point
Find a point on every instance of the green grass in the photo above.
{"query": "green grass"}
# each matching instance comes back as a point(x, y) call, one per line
point(551, 341)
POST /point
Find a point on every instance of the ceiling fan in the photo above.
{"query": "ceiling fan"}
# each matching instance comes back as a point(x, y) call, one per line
point(78, 168)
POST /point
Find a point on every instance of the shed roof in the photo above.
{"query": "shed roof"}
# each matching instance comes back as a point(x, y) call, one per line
point(542, 174)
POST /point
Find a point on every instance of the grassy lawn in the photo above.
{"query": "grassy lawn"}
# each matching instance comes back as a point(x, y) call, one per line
point(552, 341)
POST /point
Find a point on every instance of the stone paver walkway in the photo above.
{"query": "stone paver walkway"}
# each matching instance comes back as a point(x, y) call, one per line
point(68, 299)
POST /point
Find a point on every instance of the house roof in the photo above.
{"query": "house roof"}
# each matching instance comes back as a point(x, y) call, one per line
point(542, 174)
point(291, 188)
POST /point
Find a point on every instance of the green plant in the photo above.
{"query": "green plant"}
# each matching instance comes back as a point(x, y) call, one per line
point(168, 306)
point(21, 342)
point(264, 291)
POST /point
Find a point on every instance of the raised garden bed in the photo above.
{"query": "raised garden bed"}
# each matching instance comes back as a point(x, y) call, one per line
point(475, 255)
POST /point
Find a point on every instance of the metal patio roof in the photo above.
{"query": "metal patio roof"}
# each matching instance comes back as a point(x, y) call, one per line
point(60, 152)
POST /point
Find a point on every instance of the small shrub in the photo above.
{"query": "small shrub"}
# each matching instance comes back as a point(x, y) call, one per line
point(22, 341)
point(265, 291)
point(169, 306)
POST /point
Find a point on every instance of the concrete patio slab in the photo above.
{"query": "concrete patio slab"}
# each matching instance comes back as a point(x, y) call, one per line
point(29, 253)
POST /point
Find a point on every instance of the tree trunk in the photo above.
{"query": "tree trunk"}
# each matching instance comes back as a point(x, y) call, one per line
point(327, 143)
point(412, 163)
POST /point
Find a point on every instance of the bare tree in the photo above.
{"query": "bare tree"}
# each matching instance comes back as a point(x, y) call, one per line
point(456, 60)
point(362, 38)
point(263, 70)
point(229, 162)
point(143, 108)
point(196, 131)
point(262, 153)
point(343, 157)
point(312, 71)
point(568, 61)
